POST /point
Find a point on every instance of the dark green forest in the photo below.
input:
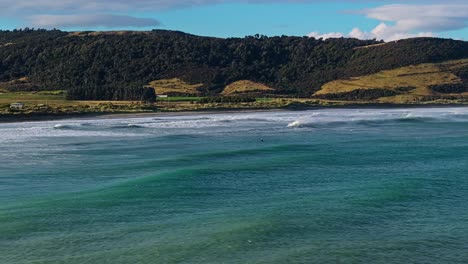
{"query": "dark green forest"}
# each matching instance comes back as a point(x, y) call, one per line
point(116, 66)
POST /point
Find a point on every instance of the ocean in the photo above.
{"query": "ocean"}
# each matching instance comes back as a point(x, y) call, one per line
point(316, 186)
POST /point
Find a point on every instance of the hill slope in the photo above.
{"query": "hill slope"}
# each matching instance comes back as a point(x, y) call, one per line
point(116, 65)
point(402, 85)
point(245, 87)
point(175, 87)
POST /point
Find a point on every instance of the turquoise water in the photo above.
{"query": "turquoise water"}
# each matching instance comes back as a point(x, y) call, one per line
point(322, 186)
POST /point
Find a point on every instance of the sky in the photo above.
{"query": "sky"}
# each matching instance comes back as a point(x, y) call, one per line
point(364, 19)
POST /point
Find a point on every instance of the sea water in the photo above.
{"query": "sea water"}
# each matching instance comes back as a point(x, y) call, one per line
point(318, 186)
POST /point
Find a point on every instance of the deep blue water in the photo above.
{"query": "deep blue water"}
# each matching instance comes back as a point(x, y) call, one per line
point(322, 186)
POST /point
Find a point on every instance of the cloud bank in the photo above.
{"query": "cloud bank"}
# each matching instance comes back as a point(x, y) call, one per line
point(90, 13)
point(406, 21)
point(415, 18)
point(100, 13)
point(136, 5)
point(89, 21)
point(64, 13)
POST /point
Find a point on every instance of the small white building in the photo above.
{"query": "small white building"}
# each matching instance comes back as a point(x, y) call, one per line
point(17, 106)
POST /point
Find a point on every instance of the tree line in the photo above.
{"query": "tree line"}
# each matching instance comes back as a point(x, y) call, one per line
point(117, 65)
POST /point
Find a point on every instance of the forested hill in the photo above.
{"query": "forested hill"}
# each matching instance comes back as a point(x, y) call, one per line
point(116, 65)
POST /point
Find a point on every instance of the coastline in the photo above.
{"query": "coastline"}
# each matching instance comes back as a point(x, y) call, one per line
point(38, 117)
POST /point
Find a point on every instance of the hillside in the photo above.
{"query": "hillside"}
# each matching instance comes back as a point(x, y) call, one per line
point(245, 87)
point(403, 85)
point(175, 87)
point(117, 65)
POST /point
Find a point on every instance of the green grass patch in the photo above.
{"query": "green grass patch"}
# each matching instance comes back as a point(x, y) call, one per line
point(265, 100)
point(180, 99)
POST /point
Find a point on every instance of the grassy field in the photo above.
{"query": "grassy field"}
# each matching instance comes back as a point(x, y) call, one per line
point(171, 86)
point(418, 77)
point(55, 104)
point(245, 87)
point(177, 86)
point(33, 97)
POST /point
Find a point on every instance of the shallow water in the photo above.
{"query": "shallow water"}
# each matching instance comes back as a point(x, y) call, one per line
point(322, 186)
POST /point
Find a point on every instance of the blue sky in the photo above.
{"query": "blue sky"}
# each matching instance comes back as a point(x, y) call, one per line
point(268, 19)
point(383, 19)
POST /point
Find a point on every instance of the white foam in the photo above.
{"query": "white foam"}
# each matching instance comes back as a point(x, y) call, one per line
point(218, 123)
point(296, 123)
point(61, 126)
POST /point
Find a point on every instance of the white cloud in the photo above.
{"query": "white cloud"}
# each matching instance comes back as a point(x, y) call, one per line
point(407, 21)
point(87, 21)
point(359, 34)
point(317, 35)
point(399, 19)
point(417, 20)
point(381, 32)
point(72, 13)
point(89, 13)
point(134, 5)
point(390, 33)
point(439, 17)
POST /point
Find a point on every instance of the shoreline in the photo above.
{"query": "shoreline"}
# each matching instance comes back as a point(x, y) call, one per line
point(20, 118)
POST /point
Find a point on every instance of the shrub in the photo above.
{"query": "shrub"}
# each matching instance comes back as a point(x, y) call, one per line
point(450, 88)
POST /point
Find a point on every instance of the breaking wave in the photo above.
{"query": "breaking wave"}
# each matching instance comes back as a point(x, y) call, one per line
point(62, 126)
point(371, 118)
